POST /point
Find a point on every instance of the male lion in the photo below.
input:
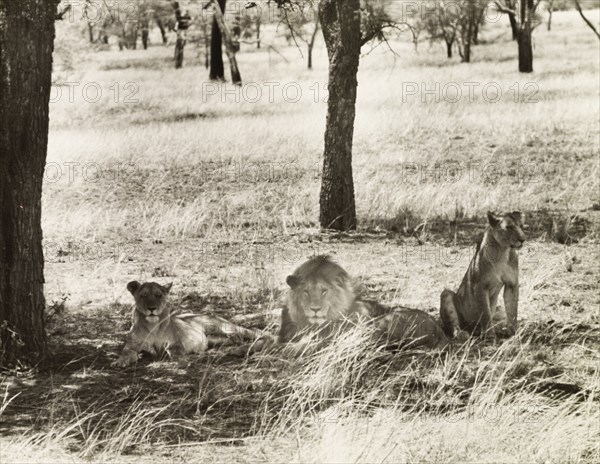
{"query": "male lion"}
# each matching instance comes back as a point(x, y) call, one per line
point(155, 329)
point(321, 293)
point(495, 265)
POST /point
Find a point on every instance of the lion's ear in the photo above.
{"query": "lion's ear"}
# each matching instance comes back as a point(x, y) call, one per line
point(167, 288)
point(493, 219)
point(292, 281)
point(133, 286)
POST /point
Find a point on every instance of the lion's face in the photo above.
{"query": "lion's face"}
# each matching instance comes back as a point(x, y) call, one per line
point(507, 230)
point(150, 299)
point(320, 292)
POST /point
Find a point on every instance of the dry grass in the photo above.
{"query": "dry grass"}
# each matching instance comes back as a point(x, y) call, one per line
point(227, 238)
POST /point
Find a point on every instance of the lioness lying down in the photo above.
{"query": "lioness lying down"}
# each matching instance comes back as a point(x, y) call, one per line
point(156, 330)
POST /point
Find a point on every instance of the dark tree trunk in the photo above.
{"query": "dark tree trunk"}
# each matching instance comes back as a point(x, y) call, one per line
point(145, 38)
point(258, 21)
point(526, 8)
point(468, 36)
point(514, 27)
point(179, 47)
point(217, 69)
point(340, 22)
point(550, 18)
point(525, 51)
point(26, 44)
point(161, 27)
point(449, 49)
point(231, 47)
point(311, 44)
point(91, 32)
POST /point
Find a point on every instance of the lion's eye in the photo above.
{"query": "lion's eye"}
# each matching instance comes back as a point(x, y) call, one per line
point(306, 292)
point(324, 291)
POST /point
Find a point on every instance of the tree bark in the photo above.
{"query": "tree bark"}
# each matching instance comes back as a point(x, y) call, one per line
point(524, 37)
point(311, 44)
point(258, 23)
point(230, 47)
point(468, 37)
point(449, 49)
point(26, 45)
point(340, 22)
point(514, 27)
point(179, 47)
point(525, 50)
point(217, 69)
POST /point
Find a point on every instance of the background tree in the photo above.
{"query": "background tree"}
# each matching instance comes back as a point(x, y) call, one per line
point(26, 44)
point(303, 26)
point(587, 21)
point(183, 21)
point(232, 46)
point(217, 69)
point(527, 21)
point(444, 24)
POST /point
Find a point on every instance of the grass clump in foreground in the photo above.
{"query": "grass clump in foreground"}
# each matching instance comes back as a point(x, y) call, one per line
point(353, 400)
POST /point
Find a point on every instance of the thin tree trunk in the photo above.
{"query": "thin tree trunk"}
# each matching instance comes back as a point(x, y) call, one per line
point(179, 47)
point(469, 34)
point(587, 21)
point(217, 69)
point(340, 22)
point(161, 27)
point(311, 44)
point(514, 27)
point(258, 23)
point(91, 32)
point(230, 48)
point(449, 49)
point(26, 45)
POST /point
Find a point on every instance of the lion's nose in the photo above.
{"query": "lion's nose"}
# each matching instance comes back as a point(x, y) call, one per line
point(315, 309)
point(151, 308)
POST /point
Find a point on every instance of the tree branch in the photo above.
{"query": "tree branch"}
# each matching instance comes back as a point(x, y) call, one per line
point(587, 21)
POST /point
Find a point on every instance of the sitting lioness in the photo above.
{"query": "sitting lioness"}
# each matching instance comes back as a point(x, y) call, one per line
point(321, 292)
point(473, 308)
point(155, 329)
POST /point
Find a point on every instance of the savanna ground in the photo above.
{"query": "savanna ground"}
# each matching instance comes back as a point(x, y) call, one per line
point(221, 198)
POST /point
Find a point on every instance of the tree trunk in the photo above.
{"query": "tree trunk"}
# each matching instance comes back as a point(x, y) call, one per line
point(217, 69)
point(230, 47)
point(179, 47)
point(145, 38)
point(468, 37)
point(524, 37)
point(514, 27)
point(449, 49)
point(311, 44)
point(587, 21)
point(163, 33)
point(525, 50)
point(26, 45)
point(91, 32)
point(257, 23)
point(549, 18)
point(340, 22)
